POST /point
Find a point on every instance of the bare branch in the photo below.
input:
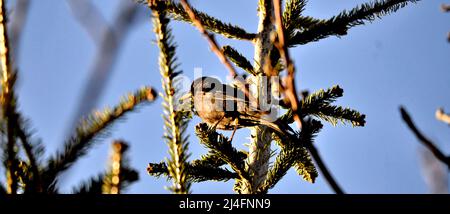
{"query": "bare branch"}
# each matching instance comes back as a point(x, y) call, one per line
point(290, 88)
point(106, 56)
point(90, 18)
point(424, 140)
point(323, 168)
point(212, 42)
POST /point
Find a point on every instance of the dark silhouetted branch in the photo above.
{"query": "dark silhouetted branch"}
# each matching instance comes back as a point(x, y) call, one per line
point(323, 168)
point(424, 140)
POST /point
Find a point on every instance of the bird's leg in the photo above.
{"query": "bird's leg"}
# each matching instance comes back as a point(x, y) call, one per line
point(234, 130)
point(217, 123)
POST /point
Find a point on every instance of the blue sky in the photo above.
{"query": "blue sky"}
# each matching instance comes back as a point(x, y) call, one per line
point(399, 60)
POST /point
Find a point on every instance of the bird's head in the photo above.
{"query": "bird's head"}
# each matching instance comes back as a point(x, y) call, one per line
point(205, 84)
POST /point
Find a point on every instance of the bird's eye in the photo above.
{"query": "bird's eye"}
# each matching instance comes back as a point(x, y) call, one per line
point(211, 87)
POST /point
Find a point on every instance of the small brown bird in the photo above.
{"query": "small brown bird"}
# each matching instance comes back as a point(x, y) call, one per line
point(226, 107)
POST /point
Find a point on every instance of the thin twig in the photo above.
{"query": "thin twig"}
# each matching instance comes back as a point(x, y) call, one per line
point(211, 40)
point(217, 50)
point(440, 115)
point(290, 88)
point(323, 168)
point(90, 18)
point(424, 140)
point(291, 93)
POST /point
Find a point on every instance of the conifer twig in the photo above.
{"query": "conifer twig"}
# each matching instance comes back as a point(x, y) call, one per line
point(238, 59)
point(88, 131)
point(8, 103)
point(175, 121)
point(424, 140)
point(32, 152)
point(196, 172)
point(338, 25)
point(95, 184)
point(115, 180)
point(221, 147)
point(293, 153)
point(442, 116)
point(210, 23)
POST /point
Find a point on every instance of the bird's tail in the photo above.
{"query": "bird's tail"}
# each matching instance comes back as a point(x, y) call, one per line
point(280, 129)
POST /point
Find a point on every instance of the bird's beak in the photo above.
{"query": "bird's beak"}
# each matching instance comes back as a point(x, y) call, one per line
point(185, 97)
point(185, 101)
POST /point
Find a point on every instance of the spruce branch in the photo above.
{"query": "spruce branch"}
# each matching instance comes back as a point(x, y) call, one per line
point(292, 14)
point(340, 24)
point(294, 153)
point(8, 104)
point(15, 129)
point(120, 175)
point(196, 172)
point(220, 146)
point(211, 24)
point(319, 105)
point(423, 139)
point(238, 59)
point(335, 114)
point(442, 116)
point(95, 184)
point(176, 122)
point(89, 131)
point(92, 186)
point(214, 160)
point(34, 150)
